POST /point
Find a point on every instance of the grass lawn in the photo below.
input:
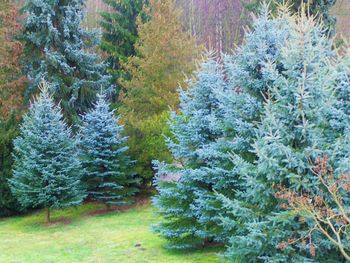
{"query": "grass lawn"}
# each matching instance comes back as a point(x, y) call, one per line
point(84, 235)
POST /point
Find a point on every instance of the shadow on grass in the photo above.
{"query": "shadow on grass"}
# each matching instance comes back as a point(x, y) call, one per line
point(35, 220)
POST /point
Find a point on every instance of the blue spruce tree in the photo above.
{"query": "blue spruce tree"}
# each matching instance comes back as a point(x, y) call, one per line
point(186, 187)
point(56, 49)
point(299, 124)
point(104, 157)
point(249, 82)
point(47, 168)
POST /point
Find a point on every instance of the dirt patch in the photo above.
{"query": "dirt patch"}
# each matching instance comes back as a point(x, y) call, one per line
point(58, 222)
point(139, 201)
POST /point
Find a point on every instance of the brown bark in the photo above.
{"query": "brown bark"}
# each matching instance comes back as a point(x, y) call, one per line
point(47, 215)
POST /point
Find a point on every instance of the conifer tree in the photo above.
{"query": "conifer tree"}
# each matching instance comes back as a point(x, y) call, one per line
point(246, 73)
point(165, 54)
point(120, 34)
point(47, 169)
point(8, 132)
point(200, 166)
point(299, 124)
point(56, 49)
point(104, 157)
point(240, 107)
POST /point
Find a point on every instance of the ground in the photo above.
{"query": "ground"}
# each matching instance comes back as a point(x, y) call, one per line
point(88, 234)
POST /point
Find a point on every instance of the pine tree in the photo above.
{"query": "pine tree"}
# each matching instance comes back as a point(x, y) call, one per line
point(200, 166)
point(120, 34)
point(104, 157)
point(240, 106)
point(299, 124)
point(247, 77)
point(47, 168)
point(56, 49)
point(246, 68)
point(165, 53)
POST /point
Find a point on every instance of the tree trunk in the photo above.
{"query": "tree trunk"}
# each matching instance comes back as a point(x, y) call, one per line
point(47, 215)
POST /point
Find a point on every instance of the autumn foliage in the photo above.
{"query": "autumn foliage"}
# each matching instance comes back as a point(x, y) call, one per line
point(11, 80)
point(327, 209)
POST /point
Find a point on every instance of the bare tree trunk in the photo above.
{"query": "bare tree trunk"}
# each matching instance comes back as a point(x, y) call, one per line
point(219, 33)
point(47, 215)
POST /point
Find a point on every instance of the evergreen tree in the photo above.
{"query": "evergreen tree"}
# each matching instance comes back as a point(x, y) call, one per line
point(104, 157)
point(120, 34)
point(200, 166)
point(321, 8)
point(240, 107)
point(165, 53)
point(47, 168)
point(8, 131)
point(56, 49)
point(299, 124)
point(246, 72)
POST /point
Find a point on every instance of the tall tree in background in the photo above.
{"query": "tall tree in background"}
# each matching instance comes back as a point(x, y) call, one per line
point(47, 168)
point(120, 34)
point(55, 49)
point(217, 23)
point(12, 84)
point(165, 54)
point(321, 8)
point(104, 157)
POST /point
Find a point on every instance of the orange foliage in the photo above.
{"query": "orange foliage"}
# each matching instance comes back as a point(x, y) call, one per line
point(11, 82)
point(325, 208)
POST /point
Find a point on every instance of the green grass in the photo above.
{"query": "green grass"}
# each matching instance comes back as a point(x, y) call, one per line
point(78, 236)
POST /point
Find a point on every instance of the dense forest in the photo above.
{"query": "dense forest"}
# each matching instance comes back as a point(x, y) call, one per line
point(174, 131)
point(232, 14)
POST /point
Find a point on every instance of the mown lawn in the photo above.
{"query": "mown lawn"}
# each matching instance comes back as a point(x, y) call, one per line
point(82, 235)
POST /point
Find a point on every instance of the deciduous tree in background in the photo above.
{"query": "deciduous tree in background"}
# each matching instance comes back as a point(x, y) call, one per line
point(165, 54)
point(11, 80)
point(12, 84)
point(218, 24)
point(47, 167)
point(56, 49)
point(104, 157)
